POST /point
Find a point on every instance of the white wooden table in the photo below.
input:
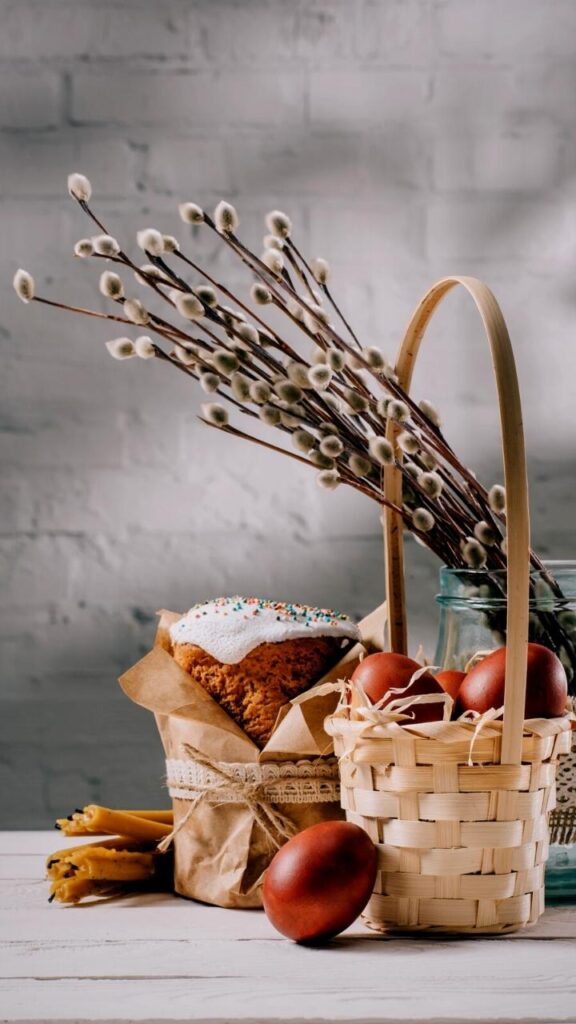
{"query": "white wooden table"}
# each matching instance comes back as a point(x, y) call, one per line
point(160, 958)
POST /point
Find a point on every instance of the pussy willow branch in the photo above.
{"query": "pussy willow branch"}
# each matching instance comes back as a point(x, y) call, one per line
point(345, 408)
point(274, 284)
point(233, 431)
point(84, 312)
point(291, 245)
point(438, 441)
point(314, 405)
point(166, 329)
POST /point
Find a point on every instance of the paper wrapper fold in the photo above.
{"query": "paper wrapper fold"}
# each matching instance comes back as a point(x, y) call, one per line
point(220, 849)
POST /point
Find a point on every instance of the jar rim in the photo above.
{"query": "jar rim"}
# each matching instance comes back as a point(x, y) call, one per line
point(554, 564)
point(467, 588)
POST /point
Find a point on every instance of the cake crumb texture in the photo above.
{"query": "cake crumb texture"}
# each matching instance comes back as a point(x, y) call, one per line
point(253, 691)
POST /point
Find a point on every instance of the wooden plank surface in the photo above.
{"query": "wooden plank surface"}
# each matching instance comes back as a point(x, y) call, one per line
point(160, 958)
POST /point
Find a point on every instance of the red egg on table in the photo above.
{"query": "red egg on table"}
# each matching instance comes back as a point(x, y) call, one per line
point(320, 881)
point(546, 684)
point(380, 673)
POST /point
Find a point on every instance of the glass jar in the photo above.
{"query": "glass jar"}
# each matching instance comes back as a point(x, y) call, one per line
point(472, 620)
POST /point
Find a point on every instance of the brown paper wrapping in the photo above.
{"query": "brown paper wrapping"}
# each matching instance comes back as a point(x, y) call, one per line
point(221, 851)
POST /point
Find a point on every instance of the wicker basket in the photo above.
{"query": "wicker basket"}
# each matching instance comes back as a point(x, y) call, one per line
point(459, 813)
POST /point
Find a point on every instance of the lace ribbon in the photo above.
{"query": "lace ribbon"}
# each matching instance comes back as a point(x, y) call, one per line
point(257, 786)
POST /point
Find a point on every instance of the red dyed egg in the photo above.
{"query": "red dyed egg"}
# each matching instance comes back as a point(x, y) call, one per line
point(320, 881)
point(451, 681)
point(546, 684)
point(385, 671)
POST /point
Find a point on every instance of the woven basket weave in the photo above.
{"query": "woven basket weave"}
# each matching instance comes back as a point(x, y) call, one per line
point(459, 813)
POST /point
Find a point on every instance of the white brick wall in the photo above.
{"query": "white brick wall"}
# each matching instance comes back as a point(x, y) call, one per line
point(30, 101)
point(407, 139)
point(204, 99)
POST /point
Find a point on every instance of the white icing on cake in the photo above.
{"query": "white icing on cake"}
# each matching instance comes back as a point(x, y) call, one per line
point(229, 628)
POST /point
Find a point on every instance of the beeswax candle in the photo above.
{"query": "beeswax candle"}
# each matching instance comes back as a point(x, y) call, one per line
point(96, 820)
point(165, 817)
point(72, 890)
point(114, 865)
point(117, 864)
point(117, 843)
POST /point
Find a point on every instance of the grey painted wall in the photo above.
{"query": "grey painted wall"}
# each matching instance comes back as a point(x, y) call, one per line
point(406, 139)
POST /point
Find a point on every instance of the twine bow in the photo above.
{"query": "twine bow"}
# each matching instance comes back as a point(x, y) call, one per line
point(277, 827)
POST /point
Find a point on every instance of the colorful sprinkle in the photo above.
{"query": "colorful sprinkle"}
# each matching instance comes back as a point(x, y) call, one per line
point(249, 607)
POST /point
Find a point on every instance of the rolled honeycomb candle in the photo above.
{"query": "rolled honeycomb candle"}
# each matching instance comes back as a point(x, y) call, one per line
point(115, 863)
point(72, 890)
point(117, 843)
point(96, 820)
point(113, 866)
point(88, 856)
point(72, 825)
point(102, 819)
point(164, 817)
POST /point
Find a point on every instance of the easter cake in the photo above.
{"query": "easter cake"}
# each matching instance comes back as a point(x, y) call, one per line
point(253, 656)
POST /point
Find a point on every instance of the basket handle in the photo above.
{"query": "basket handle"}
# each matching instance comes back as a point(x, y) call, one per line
point(517, 514)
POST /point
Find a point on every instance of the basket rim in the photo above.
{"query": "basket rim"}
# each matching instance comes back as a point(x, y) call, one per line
point(379, 725)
